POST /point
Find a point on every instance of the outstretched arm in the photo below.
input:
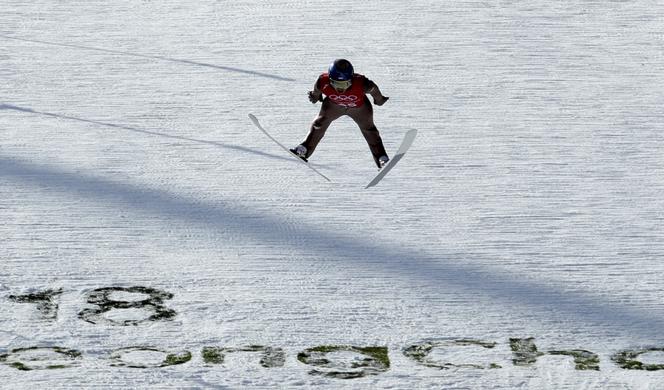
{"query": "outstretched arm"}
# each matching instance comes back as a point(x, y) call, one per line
point(316, 95)
point(371, 88)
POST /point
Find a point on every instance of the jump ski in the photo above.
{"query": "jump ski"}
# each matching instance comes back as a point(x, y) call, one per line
point(255, 121)
point(403, 148)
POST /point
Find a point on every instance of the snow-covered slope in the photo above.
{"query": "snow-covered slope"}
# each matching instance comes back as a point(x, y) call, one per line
point(152, 237)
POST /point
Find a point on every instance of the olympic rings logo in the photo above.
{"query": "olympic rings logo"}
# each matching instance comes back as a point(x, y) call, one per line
point(345, 100)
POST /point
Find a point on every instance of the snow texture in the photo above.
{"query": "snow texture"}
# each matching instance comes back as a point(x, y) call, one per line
point(152, 237)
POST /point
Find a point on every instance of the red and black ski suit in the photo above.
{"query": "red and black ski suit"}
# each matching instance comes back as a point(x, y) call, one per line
point(352, 102)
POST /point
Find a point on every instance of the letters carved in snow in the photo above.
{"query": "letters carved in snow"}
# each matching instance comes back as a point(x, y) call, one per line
point(335, 361)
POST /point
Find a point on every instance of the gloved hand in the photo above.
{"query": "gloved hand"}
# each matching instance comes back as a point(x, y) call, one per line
point(381, 100)
point(315, 97)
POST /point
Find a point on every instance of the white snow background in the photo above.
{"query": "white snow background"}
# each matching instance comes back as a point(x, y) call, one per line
point(530, 205)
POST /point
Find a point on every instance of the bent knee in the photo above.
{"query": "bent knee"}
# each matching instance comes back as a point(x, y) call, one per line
point(321, 122)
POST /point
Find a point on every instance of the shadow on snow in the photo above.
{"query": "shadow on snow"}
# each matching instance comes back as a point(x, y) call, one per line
point(424, 269)
point(155, 133)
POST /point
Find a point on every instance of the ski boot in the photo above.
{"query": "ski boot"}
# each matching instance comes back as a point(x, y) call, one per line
point(300, 151)
point(382, 161)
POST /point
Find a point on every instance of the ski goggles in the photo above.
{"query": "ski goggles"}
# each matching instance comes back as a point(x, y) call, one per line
point(340, 84)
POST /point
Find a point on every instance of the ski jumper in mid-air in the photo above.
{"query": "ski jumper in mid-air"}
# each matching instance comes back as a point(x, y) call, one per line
point(345, 94)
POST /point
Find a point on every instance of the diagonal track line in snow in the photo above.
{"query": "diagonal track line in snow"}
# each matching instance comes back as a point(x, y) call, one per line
point(430, 269)
point(162, 58)
point(148, 132)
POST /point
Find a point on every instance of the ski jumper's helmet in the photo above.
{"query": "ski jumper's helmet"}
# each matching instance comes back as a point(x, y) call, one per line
point(341, 70)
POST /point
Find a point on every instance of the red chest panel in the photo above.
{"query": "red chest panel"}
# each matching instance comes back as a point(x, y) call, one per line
point(352, 97)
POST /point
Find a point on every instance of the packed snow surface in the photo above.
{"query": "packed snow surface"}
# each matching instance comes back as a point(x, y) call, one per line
point(152, 237)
